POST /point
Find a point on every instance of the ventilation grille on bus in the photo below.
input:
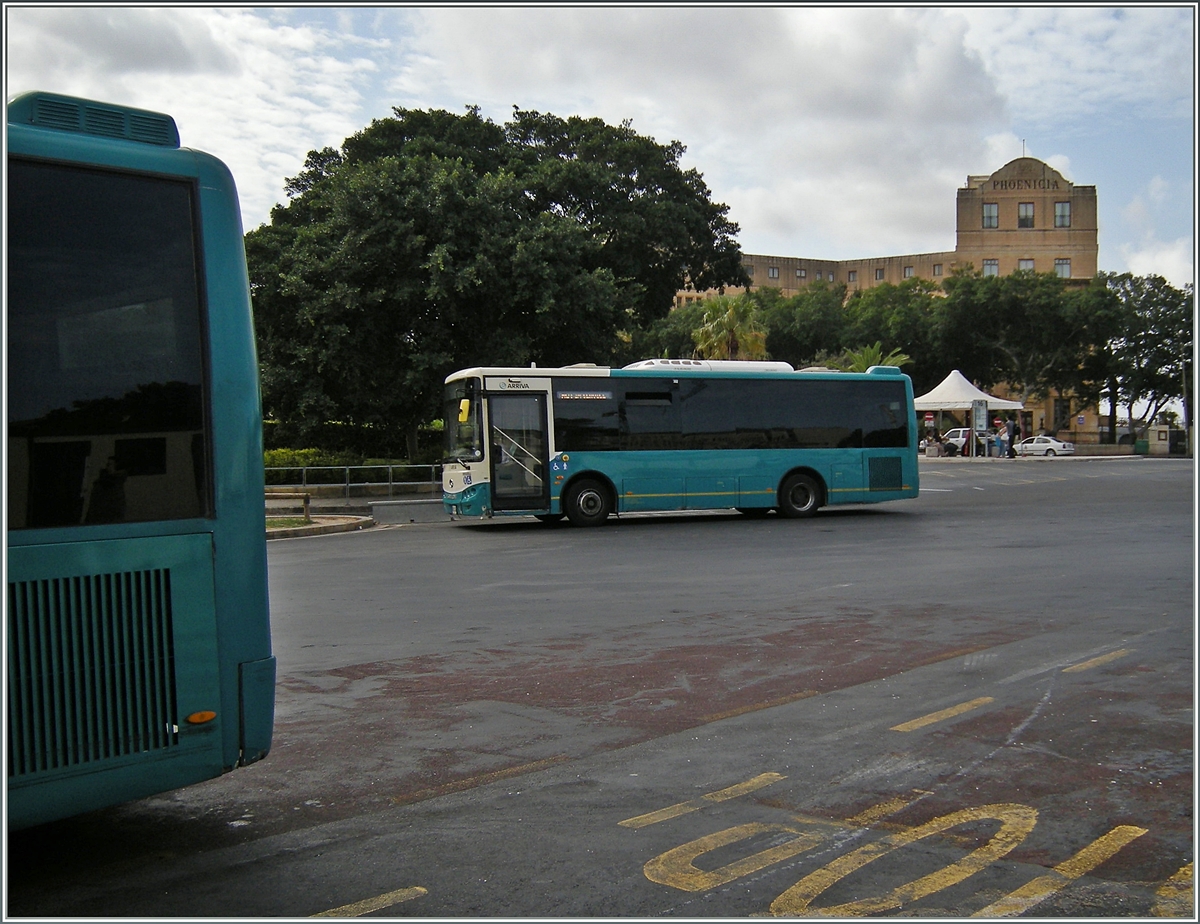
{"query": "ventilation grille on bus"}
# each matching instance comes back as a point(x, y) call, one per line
point(91, 672)
point(112, 122)
point(886, 474)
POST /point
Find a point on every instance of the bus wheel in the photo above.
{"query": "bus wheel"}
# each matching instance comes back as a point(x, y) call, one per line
point(800, 496)
point(587, 503)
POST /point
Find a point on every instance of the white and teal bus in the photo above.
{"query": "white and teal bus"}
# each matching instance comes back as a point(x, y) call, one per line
point(675, 434)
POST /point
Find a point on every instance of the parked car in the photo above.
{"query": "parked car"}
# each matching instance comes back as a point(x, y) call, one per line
point(958, 437)
point(1044, 446)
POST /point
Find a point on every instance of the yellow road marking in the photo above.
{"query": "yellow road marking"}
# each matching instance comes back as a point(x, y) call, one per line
point(721, 795)
point(942, 714)
point(1043, 887)
point(1096, 662)
point(742, 710)
point(472, 781)
point(676, 868)
point(378, 903)
point(1016, 821)
point(883, 809)
point(1175, 897)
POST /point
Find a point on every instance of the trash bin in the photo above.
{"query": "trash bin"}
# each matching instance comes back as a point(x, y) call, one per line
point(1141, 448)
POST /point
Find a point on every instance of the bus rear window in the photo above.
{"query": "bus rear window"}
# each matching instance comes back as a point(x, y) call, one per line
point(106, 363)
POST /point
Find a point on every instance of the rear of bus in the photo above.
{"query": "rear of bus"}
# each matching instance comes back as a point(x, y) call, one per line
point(138, 641)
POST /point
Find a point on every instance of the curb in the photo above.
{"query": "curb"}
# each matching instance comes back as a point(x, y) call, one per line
point(321, 529)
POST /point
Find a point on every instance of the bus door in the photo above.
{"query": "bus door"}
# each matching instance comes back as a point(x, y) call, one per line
point(518, 445)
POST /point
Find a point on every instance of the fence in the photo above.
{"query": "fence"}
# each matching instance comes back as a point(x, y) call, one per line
point(336, 479)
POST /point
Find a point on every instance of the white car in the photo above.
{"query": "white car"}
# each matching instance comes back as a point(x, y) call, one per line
point(1044, 446)
point(958, 437)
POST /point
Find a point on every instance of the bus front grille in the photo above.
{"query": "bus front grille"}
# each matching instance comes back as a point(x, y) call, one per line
point(91, 673)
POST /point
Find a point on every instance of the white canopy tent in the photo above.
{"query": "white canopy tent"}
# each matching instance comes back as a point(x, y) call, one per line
point(956, 394)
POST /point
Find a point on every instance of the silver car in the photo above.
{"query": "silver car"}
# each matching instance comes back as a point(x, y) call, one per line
point(1044, 446)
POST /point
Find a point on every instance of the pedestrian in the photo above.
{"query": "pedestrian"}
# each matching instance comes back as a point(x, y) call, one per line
point(1011, 429)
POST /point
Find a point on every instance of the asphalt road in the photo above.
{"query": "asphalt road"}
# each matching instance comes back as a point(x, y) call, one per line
point(976, 702)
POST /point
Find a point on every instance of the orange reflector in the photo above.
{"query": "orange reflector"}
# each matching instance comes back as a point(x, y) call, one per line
point(199, 718)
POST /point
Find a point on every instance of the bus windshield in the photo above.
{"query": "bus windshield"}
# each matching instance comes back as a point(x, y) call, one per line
point(463, 436)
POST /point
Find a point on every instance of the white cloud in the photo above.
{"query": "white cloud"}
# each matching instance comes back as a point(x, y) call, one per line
point(1066, 64)
point(828, 132)
point(257, 95)
point(1174, 260)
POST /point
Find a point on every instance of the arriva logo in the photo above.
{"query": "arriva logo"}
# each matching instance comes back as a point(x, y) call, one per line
point(513, 383)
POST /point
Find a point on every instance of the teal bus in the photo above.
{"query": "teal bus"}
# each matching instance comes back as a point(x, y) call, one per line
point(584, 442)
point(138, 643)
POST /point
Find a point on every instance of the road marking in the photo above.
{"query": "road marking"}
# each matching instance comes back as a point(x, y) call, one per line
point(378, 903)
point(943, 714)
point(721, 795)
point(1175, 897)
point(868, 817)
point(1096, 662)
point(676, 868)
point(1016, 821)
point(1043, 887)
point(472, 781)
point(781, 701)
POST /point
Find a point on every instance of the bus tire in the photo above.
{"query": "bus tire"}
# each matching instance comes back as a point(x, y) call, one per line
point(587, 503)
point(799, 496)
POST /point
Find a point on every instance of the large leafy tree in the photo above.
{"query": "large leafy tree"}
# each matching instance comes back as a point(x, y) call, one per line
point(902, 316)
point(433, 241)
point(1151, 345)
point(805, 327)
point(1022, 329)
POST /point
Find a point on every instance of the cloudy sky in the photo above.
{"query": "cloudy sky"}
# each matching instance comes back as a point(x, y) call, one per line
point(831, 133)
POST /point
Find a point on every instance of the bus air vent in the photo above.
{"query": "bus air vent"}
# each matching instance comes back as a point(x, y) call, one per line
point(97, 121)
point(91, 670)
point(886, 474)
point(57, 113)
point(68, 113)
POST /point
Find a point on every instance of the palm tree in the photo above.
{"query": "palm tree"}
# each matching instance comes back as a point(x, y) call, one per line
point(864, 358)
point(730, 330)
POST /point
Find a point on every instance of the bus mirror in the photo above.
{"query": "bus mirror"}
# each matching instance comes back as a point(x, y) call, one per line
point(464, 410)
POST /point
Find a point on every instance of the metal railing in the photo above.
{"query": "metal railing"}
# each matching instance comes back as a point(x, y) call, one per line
point(398, 479)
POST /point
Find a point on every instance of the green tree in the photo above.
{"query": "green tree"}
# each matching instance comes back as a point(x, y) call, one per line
point(730, 329)
point(1153, 345)
point(433, 241)
point(1022, 329)
point(901, 314)
point(805, 326)
point(670, 337)
point(864, 358)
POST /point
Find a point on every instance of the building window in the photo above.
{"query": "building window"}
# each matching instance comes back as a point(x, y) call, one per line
point(801, 273)
point(937, 269)
point(879, 274)
point(772, 272)
point(1025, 265)
point(1062, 269)
point(749, 267)
point(991, 267)
point(908, 272)
point(1024, 214)
point(1062, 214)
point(852, 276)
point(991, 214)
point(831, 277)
